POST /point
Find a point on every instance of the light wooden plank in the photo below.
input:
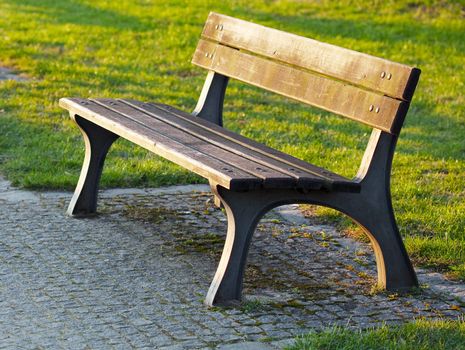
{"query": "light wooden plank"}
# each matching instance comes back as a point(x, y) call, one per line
point(364, 106)
point(387, 77)
point(191, 159)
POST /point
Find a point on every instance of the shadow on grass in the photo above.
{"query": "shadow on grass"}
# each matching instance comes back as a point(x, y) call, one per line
point(76, 12)
point(384, 33)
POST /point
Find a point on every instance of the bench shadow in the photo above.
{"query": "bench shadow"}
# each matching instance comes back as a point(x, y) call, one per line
point(327, 29)
point(75, 12)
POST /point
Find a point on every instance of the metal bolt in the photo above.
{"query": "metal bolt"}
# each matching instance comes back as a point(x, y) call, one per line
point(221, 27)
point(377, 110)
point(383, 74)
point(206, 54)
point(371, 108)
point(389, 76)
point(217, 26)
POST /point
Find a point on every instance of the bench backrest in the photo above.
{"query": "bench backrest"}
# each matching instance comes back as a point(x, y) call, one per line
point(368, 89)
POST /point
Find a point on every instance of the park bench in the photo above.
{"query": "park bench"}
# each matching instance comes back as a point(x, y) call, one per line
point(247, 177)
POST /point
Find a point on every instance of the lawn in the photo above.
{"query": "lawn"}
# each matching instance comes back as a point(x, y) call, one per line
point(142, 49)
point(418, 335)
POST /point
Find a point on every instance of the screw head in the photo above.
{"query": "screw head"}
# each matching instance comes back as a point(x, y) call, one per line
point(377, 110)
point(371, 108)
point(383, 74)
point(389, 76)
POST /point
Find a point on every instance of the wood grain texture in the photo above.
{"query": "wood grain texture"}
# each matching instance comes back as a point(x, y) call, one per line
point(307, 177)
point(309, 174)
point(162, 122)
point(170, 149)
point(387, 77)
point(190, 138)
point(367, 107)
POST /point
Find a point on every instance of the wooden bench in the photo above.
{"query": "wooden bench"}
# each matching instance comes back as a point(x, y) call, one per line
point(250, 178)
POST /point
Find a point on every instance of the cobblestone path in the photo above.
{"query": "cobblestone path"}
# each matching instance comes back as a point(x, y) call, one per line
point(135, 276)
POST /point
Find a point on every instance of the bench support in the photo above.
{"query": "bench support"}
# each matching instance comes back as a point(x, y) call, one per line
point(371, 209)
point(210, 103)
point(97, 141)
point(244, 210)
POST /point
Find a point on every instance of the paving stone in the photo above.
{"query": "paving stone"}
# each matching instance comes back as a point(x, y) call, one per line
point(135, 276)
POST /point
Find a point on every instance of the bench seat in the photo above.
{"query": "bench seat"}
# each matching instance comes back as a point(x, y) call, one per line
point(229, 159)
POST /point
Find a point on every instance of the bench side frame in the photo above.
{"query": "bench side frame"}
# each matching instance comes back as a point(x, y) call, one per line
point(371, 209)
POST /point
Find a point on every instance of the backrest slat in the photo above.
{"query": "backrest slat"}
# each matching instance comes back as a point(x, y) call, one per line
point(383, 76)
point(382, 112)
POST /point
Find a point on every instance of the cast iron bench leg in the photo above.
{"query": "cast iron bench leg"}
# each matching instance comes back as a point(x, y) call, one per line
point(395, 271)
point(98, 141)
point(244, 211)
point(371, 209)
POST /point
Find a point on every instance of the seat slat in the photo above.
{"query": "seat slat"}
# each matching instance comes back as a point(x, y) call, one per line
point(258, 151)
point(387, 77)
point(161, 124)
point(191, 159)
point(378, 111)
point(189, 124)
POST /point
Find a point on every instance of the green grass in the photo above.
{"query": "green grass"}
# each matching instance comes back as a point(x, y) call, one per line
point(418, 335)
point(142, 49)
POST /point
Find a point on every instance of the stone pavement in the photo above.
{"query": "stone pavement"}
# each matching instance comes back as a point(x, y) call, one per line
point(135, 276)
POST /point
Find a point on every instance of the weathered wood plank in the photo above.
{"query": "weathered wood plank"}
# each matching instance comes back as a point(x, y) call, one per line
point(191, 159)
point(364, 106)
point(387, 77)
point(188, 124)
point(309, 174)
point(160, 123)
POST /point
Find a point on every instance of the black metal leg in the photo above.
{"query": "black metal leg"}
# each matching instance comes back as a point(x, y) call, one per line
point(243, 210)
point(395, 270)
point(98, 141)
point(371, 209)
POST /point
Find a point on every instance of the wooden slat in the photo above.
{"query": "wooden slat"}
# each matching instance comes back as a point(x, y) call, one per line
point(187, 123)
point(191, 159)
point(387, 77)
point(378, 111)
point(308, 173)
point(271, 177)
